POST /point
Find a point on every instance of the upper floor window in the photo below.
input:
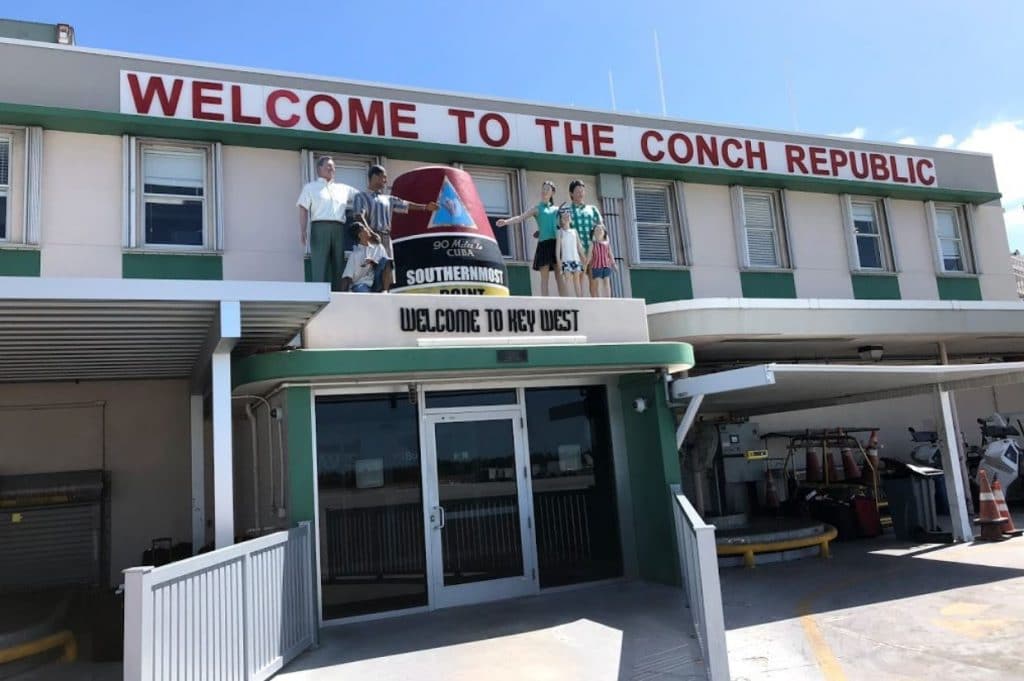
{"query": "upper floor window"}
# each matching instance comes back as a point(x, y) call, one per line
point(656, 222)
point(498, 192)
point(175, 195)
point(5, 184)
point(870, 234)
point(763, 230)
point(952, 235)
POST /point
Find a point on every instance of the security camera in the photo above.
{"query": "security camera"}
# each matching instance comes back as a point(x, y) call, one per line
point(640, 405)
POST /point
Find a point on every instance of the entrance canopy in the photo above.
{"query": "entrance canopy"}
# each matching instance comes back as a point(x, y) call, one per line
point(776, 387)
point(54, 329)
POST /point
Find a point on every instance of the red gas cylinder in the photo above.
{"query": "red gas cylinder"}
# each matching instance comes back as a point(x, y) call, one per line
point(452, 249)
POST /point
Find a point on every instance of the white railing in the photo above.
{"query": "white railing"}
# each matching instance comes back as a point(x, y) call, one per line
point(698, 566)
point(238, 613)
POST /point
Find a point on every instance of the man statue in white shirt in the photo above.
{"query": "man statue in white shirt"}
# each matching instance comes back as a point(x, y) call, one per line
point(322, 205)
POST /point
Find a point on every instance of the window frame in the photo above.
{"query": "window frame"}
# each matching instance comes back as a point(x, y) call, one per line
point(5, 189)
point(964, 238)
point(777, 198)
point(676, 224)
point(886, 250)
point(513, 183)
point(212, 230)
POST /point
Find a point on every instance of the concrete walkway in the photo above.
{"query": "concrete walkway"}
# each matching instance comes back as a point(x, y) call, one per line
point(611, 632)
point(880, 610)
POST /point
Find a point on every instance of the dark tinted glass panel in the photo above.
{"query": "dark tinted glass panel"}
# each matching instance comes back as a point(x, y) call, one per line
point(3, 217)
point(573, 485)
point(175, 224)
point(867, 250)
point(469, 398)
point(503, 236)
point(476, 483)
point(172, 190)
point(372, 554)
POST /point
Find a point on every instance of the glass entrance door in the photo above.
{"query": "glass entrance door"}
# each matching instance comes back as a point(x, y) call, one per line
point(478, 507)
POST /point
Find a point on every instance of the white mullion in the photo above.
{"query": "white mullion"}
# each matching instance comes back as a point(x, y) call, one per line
point(134, 198)
point(739, 225)
point(850, 232)
point(523, 190)
point(972, 263)
point(685, 244)
point(215, 241)
point(890, 238)
point(784, 253)
point(629, 208)
point(933, 224)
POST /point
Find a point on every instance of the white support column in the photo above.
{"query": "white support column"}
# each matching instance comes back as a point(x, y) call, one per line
point(198, 473)
point(959, 513)
point(228, 332)
point(688, 418)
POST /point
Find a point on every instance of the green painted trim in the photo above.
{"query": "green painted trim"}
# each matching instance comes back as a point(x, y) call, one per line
point(311, 364)
point(301, 480)
point(653, 465)
point(875, 286)
point(661, 285)
point(108, 123)
point(767, 284)
point(171, 266)
point(519, 280)
point(307, 269)
point(19, 262)
point(959, 288)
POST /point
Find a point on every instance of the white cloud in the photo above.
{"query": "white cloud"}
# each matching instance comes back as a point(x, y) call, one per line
point(857, 133)
point(906, 140)
point(945, 140)
point(1005, 141)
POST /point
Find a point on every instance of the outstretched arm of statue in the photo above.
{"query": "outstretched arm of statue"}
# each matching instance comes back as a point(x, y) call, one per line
point(532, 213)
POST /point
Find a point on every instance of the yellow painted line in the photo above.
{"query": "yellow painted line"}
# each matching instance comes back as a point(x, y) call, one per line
point(827, 661)
point(62, 639)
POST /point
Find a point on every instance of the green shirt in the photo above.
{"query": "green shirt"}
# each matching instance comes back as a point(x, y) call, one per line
point(584, 218)
point(547, 221)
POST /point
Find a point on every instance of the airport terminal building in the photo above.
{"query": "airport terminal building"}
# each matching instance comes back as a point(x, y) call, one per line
point(157, 328)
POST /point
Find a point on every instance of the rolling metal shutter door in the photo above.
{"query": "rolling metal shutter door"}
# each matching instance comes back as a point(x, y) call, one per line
point(50, 546)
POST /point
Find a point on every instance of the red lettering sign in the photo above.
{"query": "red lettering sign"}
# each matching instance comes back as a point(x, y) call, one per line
point(333, 123)
point(602, 136)
point(155, 88)
point(548, 125)
point(582, 136)
point(396, 109)
point(199, 98)
point(673, 151)
point(504, 131)
point(462, 115)
point(795, 157)
point(923, 165)
point(732, 161)
point(272, 113)
point(645, 147)
point(367, 122)
point(237, 115)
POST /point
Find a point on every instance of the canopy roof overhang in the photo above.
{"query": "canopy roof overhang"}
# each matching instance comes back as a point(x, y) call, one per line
point(746, 330)
point(54, 329)
point(773, 388)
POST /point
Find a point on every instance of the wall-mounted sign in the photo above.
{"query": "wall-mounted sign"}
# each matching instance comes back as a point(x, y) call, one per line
point(166, 96)
point(488, 320)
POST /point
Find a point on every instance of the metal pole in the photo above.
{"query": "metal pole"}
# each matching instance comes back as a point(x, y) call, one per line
point(961, 454)
point(959, 512)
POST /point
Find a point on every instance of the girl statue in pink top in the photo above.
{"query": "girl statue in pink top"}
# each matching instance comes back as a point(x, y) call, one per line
point(602, 262)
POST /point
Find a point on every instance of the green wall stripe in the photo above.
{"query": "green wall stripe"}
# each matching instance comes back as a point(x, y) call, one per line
point(653, 465)
point(19, 262)
point(659, 286)
point(519, 280)
point(767, 285)
point(959, 288)
point(309, 364)
point(875, 286)
point(171, 266)
point(300, 455)
point(108, 123)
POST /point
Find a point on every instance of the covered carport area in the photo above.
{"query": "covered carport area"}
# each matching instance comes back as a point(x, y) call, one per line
point(115, 412)
point(777, 387)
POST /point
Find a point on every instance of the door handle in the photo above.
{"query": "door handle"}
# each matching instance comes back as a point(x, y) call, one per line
point(441, 514)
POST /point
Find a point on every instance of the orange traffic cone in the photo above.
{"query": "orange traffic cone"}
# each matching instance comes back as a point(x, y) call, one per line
point(771, 496)
point(851, 471)
point(813, 467)
point(833, 471)
point(989, 519)
point(1004, 511)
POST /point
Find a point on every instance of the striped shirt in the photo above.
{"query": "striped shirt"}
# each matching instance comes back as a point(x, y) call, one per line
point(378, 208)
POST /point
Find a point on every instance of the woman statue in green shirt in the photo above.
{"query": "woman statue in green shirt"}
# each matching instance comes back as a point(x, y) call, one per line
point(545, 214)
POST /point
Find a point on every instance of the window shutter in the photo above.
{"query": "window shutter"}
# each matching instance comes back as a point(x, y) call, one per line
point(170, 169)
point(5, 162)
point(653, 225)
point(494, 194)
point(762, 249)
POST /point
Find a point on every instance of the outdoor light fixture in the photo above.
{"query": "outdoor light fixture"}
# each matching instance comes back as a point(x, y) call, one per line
point(872, 352)
point(640, 405)
point(412, 394)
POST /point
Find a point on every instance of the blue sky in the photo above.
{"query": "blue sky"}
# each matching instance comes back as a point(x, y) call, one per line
point(930, 72)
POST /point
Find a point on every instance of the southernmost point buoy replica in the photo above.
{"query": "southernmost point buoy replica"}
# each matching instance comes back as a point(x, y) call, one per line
point(451, 250)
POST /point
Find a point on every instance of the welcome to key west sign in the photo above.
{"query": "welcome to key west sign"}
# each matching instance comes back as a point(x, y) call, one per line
point(167, 96)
